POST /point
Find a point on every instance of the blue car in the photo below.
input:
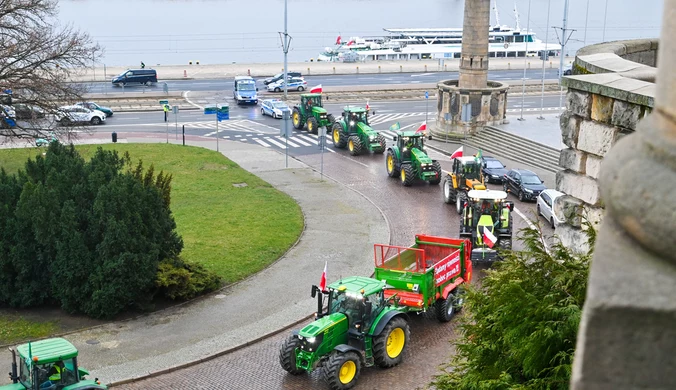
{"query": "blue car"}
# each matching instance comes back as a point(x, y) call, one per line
point(275, 108)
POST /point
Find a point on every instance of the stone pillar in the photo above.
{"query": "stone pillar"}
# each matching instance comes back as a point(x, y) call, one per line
point(627, 336)
point(474, 56)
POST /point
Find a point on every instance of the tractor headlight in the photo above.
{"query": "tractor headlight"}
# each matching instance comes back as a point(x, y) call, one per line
point(312, 340)
point(372, 137)
point(351, 123)
point(405, 149)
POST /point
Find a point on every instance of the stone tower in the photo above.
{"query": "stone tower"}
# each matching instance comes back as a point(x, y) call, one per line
point(474, 57)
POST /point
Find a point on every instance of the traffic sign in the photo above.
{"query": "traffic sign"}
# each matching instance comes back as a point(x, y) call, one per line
point(174, 109)
point(210, 110)
point(223, 112)
point(427, 95)
point(163, 102)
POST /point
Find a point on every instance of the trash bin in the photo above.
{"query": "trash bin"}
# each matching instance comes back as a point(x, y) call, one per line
point(114, 136)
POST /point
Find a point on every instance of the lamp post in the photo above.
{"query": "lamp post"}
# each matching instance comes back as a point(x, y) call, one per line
point(544, 59)
point(286, 41)
point(605, 19)
point(525, 63)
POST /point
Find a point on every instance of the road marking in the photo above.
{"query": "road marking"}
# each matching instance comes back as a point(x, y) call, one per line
point(421, 75)
point(300, 141)
point(286, 140)
point(185, 96)
point(261, 142)
point(272, 141)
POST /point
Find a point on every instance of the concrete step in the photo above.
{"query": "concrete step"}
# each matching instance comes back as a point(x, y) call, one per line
point(523, 150)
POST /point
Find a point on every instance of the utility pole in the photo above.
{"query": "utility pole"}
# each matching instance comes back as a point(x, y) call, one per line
point(286, 42)
point(525, 62)
point(545, 57)
point(564, 39)
point(605, 19)
point(586, 20)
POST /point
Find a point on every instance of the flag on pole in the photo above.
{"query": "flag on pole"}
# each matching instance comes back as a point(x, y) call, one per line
point(489, 238)
point(317, 89)
point(367, 106)
point(395, 127)
point(422, 128)
point(478, 156)
point(350, 43)
point(322, 281)
point(338, 40)
point(457, 153)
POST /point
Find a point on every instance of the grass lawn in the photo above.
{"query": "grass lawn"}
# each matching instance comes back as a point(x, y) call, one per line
point(233, 231)
point(14, 329)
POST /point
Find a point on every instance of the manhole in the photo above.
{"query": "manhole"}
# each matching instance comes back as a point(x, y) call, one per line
point(220, 296)
point(239, 184)
point(92, 342)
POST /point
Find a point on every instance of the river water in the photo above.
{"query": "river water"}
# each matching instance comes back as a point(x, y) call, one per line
point(224, 31)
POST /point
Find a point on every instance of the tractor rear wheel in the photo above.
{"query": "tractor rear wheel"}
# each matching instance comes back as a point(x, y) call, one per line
point(390, 345)
point(338, 137)
point(505, 243)
point(437, 170)
point(331, 119)
point(445, 308)
point(449, 193)
point(296, 119)
point(287, 355)
point(407, 175)
point(459, 203)
point(342, 370)
point(354, 145)
point(391, 164)
point(312, 125)
point(383, 145)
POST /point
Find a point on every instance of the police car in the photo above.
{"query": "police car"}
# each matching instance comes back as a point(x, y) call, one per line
point(295, 84)
point(274, 107)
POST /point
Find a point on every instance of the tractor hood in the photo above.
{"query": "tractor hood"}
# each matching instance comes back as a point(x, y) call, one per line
point(420, 156)
point(366, 129)
point(319, 110)
point(319, 326)
point(475, 184)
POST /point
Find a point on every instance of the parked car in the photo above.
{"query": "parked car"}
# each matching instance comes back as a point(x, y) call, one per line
point(280, 76)
point(525, 184)
point(79, 115)
point(545, 206)
point(28, 111)
point(567, 70)
point(136, 76)
point(275, 108)
point(295, 84)
point(493, 169)
point(94, 106)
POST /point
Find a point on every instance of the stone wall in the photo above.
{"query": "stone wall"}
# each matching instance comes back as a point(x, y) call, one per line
point(600, 109)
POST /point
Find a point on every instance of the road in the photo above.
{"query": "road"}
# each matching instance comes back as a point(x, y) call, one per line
point(225, 84)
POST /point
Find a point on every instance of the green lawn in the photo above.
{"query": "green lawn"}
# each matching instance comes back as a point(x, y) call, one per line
point(14, 329)
point(233, 231)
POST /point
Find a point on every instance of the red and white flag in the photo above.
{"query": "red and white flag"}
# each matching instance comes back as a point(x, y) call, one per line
point(422, 128)
point(317, 89)
point(338, 40)
point(322, 281)
point(350, 43)
point(489, 238)
point(367, 106)
point(457, 153)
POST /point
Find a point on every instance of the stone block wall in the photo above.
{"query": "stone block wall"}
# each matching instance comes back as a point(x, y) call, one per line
point(600, 109)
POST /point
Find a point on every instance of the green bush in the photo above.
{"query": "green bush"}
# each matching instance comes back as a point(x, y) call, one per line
point(521, 325)
point(177, 279)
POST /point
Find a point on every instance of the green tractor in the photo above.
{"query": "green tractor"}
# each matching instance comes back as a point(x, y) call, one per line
point(311, 114)
point(353, 131)
point(487, 210)
point(49, 364)
point(359, 327)
point(408, 160)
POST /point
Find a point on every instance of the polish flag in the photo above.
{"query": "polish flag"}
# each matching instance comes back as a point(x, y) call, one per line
point(317, 89)
point(350, 43)
point(367, 106)
point(489, 238)
point(422, 128)
point(338, 40)
point(322, 281)
point(457, 153)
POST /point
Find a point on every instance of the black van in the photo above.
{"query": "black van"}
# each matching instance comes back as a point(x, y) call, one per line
point(136, 76)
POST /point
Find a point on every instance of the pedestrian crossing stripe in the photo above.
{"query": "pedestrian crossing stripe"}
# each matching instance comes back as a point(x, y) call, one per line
point(296, 141)
point(535, 109)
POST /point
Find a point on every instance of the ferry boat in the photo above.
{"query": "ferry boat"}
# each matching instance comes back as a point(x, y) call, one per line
point(437, 43)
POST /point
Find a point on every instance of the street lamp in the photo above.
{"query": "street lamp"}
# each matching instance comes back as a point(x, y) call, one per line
point(525, 63)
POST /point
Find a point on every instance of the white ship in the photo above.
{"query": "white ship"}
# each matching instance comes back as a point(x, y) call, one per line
point(437, 43)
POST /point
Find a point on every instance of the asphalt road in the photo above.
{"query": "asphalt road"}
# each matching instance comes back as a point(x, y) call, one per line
point(225, 84)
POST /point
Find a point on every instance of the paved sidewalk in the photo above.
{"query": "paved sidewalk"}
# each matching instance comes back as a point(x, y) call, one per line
point(341, 227)
point(546, 131)
point(210, 71)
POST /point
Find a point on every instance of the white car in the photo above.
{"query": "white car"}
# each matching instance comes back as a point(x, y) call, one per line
point(275, 108)
point(545, 206)
point(77, 114)
point(295, 84)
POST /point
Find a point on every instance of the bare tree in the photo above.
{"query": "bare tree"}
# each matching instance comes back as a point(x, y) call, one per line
point(38, 58)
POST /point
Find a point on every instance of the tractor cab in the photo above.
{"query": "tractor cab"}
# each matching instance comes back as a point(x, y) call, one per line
point(354, 115)
point(49, 364)
point(487, 210)
point(409, 141)
point(467, 171)
point(311, 100)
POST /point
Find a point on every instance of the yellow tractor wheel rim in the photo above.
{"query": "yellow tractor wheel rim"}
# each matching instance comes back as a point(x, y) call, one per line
point(390, 164)
point(309, 125)
point(336, 136)
point(395, 343)
point(403, 175)
point(351, 145)
point(347, 372)
point(296, 118)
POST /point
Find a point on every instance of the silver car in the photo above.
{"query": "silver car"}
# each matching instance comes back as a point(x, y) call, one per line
point(545, 206)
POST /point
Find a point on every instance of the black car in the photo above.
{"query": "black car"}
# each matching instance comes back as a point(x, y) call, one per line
point(280, 76)
point(494, 170)
point(523, 183)
point(28, 112)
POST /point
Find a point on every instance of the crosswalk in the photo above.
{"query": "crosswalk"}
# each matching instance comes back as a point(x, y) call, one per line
point(535, 109)
point(245, 125)
point(298, 140)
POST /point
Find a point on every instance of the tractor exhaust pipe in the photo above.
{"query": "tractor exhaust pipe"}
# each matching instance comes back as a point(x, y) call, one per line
point(14, 376)
point(316, 290)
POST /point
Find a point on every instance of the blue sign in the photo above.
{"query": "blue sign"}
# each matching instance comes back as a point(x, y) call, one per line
point(210, 110)
point(8, 91)
point(427, 95)
point(10, 122)
point(222, 116)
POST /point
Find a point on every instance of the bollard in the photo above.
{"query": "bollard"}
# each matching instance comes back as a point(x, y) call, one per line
point(308, 70)
point(445, 68)
point(550, 64)
point(185, 73)
point(378, 68)
point(334, 70)
point(401, 68)
point(357, 69)
point(529, 65)
point(425, 68)
point(183, 135)
point(248, 72)
point(509, 65)
point(114, 137)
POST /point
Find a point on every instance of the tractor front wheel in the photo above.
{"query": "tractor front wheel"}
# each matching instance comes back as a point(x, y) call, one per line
point(338, 137)
point(354, 145)
point(437, 170)
point(391, 164)
point(459, 200)
point(383, 144)
point(449, 192)
point(342, 370)
point(312, 125)
point(296, 119)
point(407, 175)
point(287, 355)
point(389, 346)
point(445, 308)
point(331, 119)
